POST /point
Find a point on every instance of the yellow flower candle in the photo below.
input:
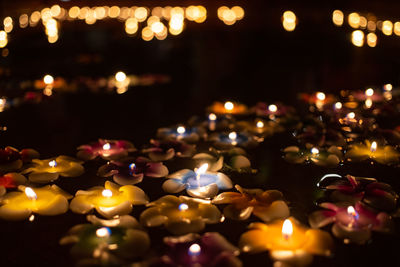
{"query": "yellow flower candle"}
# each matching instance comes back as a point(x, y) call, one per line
point(371, 150)
point(48, 170)
point(287, 240)
point(47, 200)
point(110, 200)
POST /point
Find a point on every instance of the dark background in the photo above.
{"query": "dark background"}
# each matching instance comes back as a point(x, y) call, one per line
point(253, 60)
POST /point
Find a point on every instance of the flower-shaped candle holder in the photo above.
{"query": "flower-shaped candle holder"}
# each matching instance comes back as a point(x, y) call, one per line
point(47, 200)
point(12, 159)
point(162, 150)
point(11, 180)
point(132, 171)
point(198, 183)
point(106, 149)
point(108, 201)
point(351, 223)
point(330, 157)
point(181, 215)
point(386, 155)
point(210, 249)
point(266, 205)
point(288, 242)
point(350, 189)
point(48, 170)
point(112, 242)
point(190, 135)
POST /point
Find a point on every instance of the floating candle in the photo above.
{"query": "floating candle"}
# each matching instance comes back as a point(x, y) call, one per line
point(132, 171)
point(190, 135)
point(162, 150)
point(232, 139)
point(48, 170)
point(107, 149)
point(11, 159)
point(109, 201)
point(351, 223)
point(198, 183)
point(370, 150)
point(227, 108)
point(288, 242)
point(330, 157)
point(180, 219)
point(11, 180)
point(266, 205)
point(47, 200)
point(201, 251)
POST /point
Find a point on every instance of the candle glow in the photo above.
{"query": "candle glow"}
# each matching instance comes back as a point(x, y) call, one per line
point(374, 146)
point(260, 124)
point(181, 130)
point(194, 250)
point(48, 79)
point(107, 146)
point(338, 105)
point(287, 229)
point(212, 117)
point(320, 96)
point(107, 193)
point(30, 193)
point(103, 232)
point(183, 207)
point(120, 76)
point(53, 163)
point(273, 108)
point(369, 92)
point(232, 136)
point(229, 106)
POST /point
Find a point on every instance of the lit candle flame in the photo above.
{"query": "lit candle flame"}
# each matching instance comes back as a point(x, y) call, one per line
point(53, 163)
point(314, 151)
point(202, 169)
point(374, 146)
point(287, 229)
point(388, 87)
point(194, 249)
point(352, 212)
point(368, 103)
point(30, 193)
point(107, 146)
point(212, 117)
point(338, 105)
point(260, 124)
point(229, 106)
point(48, 79)
point(181, 130)
point(183, 207)
point(351, 115)
point(321, 96)
point(107, 193)
point(369, 92)
point(120, 76)
point(232, 136)
point(272, 108)
point(132, 166)
point(103, 232)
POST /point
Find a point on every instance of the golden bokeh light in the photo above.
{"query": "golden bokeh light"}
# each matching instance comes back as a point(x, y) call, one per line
point(372, 39)
point(239, 12)
point(337, 17)
point(3, 39)
point(387, 27)
point(131, 26)
point(140, 14)
point(357, 38)
point(396, 28)
point(23, 20)
point(289, 21)
point(147, 34)
point(354, 20)
point(74, 12)
point(114, 12)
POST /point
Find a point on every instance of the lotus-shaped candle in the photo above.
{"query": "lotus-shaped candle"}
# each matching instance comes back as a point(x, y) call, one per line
point(210, 249)
point(11, 159)
point(228, 108)
point(167, 149)
point(106, 149)
point(288, 242)
point(190, 135)
point(11, 180)
point(330, 157)
point(350, 223)
point(232, 139)
point(369, 94)
point(20, 205)
point(350, 189)
point(107, 242)
point(319, 99)
point(132, 171)
point(266, 205)
point(386, 155)
point(108, 201)
point(48, 170)
point(198, 183)
point(181, 215)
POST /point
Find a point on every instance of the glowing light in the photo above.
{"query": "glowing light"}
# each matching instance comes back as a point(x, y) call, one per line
point(239, 12)
point(287, 229)
point(371, 25)
point(32, 218)
point(34, 19)
point(8, 24)
point(53, 163)
point(107, 146)
point(202, 169)
point(103, 232)
point(74, 12)
point(272, 108)
point(147, 34)
point(351, 115)
point(338, 105)
point(120, 76)
point(289, 21)
point(352, 212)
point(24, 20)
point(368, 103)
point(388, 87)
point(374, 146)
point(194, 250)
point(387, 27)
point(132, 166)
point(107, 193)
point(260, 124)
point(372, 39)
point(157, 27)
point(55, 10)
point(141, 14)
point(229, 106)
point(212, 117)
point(232, 136)
point(3, 39)
point(354, 20)
point(114, 11)
point(320, 96)
point(183, 207)
point(338, 17)
point(181, 130)
point(314, 151)
point(131, 26)
point(357, 38)
point(369, 92)
point(48, 79)
point(30, 193)
point(396, 28)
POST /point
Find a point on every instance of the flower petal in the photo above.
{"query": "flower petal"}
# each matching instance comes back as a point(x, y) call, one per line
point(277, 210)
point(43, 177)
point(173, 186)
point(232, 212)
point(185, 226)
point(151, 217)
point(123, 179)
point(156, 170)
